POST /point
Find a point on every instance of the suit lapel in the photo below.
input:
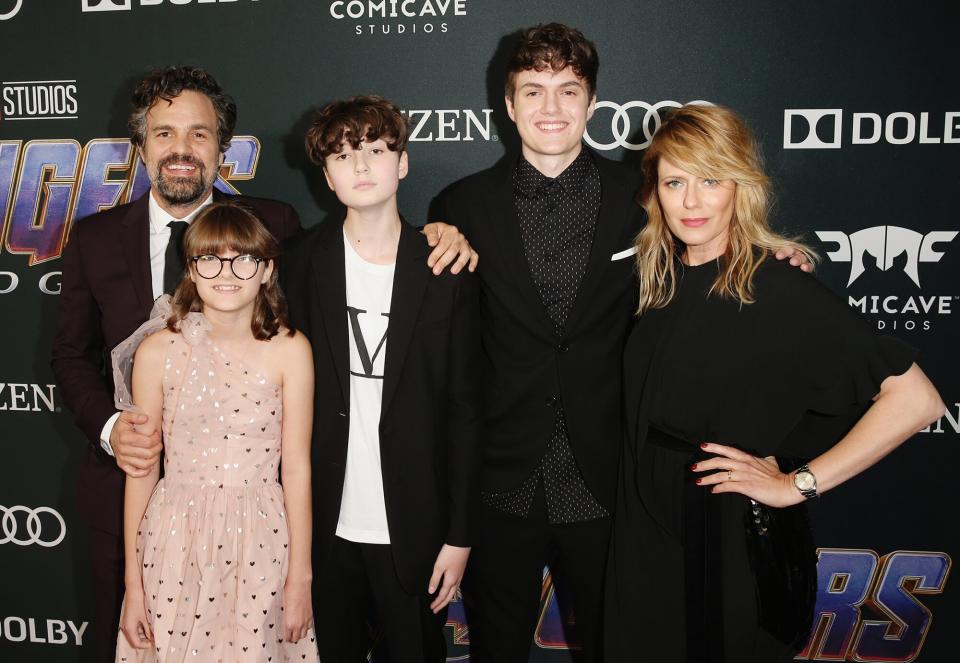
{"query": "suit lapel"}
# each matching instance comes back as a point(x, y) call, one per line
point(410, 279)
point(503, 211)
point(616, 204)
point(328, 271)
point(135, 238)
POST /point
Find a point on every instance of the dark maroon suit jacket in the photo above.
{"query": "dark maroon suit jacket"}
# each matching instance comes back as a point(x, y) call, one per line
point(106, 294)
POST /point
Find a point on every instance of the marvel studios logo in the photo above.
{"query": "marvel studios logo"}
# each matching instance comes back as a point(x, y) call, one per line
point(38, 100)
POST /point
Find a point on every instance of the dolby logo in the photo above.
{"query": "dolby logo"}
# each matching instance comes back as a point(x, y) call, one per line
point(885, 244)
point(832, 128)
point(38, 100)
point(127, 5)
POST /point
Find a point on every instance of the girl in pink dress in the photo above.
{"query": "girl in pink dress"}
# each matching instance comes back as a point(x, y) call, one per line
point(217, 553)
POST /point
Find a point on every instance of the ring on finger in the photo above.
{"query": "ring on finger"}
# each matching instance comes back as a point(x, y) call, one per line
point(729, 475)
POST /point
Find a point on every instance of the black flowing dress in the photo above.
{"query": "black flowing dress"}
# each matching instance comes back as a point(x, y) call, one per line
point(785, 376)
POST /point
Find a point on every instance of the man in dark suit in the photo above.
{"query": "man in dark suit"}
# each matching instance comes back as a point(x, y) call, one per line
point(555, 228)
point(397, 401)
point(116, 264)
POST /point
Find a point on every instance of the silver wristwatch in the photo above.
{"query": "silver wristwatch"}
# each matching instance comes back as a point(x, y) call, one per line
point(805, 482)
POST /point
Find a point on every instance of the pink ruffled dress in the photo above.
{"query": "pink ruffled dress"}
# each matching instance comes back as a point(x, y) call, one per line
point(213, 544)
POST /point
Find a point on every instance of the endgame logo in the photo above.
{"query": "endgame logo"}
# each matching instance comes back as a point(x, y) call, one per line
point(398, 17)
point(46, 184)
point(823, 128)
point(885, 248)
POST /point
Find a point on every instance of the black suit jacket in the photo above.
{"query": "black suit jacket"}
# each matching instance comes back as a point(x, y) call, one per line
point(430, 408)
point(526, 368)
point(106, 294)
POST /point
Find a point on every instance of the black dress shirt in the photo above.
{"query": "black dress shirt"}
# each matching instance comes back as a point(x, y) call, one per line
point(558, 217)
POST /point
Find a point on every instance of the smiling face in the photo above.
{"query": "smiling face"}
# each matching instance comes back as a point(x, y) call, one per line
point(551, 110)
point(181, 151)
point(697, 210)
point(366, 177)
point(225, 292)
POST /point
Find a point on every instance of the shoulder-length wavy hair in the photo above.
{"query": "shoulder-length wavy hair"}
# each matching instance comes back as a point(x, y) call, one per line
point(710, 142)
point(230, 226)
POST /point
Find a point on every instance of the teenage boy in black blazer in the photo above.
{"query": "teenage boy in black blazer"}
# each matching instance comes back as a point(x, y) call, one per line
point(396, 353)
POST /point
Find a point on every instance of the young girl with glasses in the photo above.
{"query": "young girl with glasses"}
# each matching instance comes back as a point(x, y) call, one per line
point(218, 564)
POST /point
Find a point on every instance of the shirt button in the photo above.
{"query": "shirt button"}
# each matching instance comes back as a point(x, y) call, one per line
point(342, 413)
point(550, 401)
point(562, 347)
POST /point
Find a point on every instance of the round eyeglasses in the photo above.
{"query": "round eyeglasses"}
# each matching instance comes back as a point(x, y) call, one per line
point(243, 267)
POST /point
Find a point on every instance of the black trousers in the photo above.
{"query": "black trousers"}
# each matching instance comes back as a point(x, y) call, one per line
point(361, 576)
point(502, 586)
point(106, 557)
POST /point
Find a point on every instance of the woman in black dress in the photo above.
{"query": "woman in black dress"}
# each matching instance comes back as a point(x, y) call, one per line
point(736, 361)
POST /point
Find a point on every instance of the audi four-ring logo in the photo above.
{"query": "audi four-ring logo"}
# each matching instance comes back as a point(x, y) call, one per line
point(13, 12)
point(621, 127)
point(46, 534)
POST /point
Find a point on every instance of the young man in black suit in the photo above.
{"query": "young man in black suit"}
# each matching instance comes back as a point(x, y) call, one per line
point(554, 228)
point(396, 417)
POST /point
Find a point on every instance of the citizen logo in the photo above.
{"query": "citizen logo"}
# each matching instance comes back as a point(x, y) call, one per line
point(885, 244)
point(7, 11)
point(823, 128)
point(948, 423)
point(127, 5)
point(39, 100)
point(24, 526)
point(622, 131)
point(450, 125)
point(49, 631)
point(24, 397)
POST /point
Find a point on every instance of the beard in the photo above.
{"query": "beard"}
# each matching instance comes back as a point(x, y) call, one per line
point(182, 190)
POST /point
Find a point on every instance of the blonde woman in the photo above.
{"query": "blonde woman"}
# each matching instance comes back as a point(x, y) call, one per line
point(711, 556)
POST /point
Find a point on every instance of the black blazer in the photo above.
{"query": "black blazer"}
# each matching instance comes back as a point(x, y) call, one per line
point(526, 368)
point(106, 294)
point(430, 410)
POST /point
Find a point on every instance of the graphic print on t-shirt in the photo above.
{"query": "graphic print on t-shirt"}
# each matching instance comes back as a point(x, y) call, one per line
point(368, 362)
point(363, 513)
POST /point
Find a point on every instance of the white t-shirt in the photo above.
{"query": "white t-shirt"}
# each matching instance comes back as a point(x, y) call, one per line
point(363, 514)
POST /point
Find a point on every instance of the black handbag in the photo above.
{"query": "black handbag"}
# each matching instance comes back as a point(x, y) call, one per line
point(783, 558)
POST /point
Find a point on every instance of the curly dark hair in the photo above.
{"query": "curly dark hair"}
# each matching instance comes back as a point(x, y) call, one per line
point(170, 82)
point(356, 119)
point(231, 226)
point(553, 46)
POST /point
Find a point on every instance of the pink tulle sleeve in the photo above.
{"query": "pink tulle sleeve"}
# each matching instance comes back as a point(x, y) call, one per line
point(124, 352)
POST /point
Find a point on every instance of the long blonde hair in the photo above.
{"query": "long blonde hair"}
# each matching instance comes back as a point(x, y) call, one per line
point(711, 142)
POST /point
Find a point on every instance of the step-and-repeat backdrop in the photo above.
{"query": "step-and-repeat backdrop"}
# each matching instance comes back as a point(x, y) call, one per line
point(857, 107)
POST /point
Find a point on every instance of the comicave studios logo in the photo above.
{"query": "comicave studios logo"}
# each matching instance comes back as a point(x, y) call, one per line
point(630, 125)
point(127, 5)
point(889, 246)
point(38, 100)
point(823, 128)
point(398, 17)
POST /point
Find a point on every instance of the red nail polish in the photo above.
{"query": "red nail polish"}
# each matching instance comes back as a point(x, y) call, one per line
point(699, 481)
point(693, 467)
point(703, 445)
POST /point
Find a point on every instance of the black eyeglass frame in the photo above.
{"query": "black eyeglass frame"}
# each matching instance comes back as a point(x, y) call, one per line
point(196, 259)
